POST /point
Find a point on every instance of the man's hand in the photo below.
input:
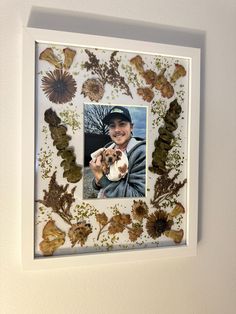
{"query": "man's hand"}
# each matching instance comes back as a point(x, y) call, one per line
point(96, 168)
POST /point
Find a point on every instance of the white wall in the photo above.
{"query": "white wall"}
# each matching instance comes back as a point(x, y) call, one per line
point(205, 284)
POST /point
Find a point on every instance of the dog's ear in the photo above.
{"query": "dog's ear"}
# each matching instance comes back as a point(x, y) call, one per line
point(119, 154)
point(104, 152)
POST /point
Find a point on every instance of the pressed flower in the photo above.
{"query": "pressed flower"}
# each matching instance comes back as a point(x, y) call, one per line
point(48, 247)
point(139, 210)
point(158, 223)
point(167, 90)
point(102, 219)
point(79, 233)
point(177, 210)
point(59, 86)
point(115, 228)
point(69, 57)
point(118, 223)
point(146, 93)
point(138, 63)
point(175, 235)
point(178, 72)
point(48, 55)
point(122, 219)
point(150, 77)
point(135, 232)
point(53, 238)
point(161, 80)
point(93, 89)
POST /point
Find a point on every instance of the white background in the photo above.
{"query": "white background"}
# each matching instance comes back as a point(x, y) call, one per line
point(205, 284)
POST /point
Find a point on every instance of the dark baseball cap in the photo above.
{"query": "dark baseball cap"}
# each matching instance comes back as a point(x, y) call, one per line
point(115, 112)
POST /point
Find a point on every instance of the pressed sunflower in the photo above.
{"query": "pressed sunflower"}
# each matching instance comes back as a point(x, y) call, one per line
point(59, 86)
point(79, 233)
point(139, 210)
point(158, 223)
point(93, 89)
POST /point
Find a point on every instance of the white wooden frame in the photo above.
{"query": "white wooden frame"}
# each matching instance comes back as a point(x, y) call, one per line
point(31, 36)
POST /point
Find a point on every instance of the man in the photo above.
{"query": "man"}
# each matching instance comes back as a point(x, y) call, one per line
point(120, 131)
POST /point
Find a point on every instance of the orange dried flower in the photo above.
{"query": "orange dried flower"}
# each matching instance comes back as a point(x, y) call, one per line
point(138, 63)
point(161, 80)
point(146, 93)
point(178, 72)
point(167, 90)
point(150, 77)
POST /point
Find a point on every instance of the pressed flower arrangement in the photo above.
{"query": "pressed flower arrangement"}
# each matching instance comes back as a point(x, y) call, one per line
point(69, 77)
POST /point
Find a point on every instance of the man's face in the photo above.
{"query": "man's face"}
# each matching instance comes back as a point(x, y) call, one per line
point(120, 131)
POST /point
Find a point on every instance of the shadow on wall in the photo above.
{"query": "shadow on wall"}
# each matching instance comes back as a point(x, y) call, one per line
point(78, 22)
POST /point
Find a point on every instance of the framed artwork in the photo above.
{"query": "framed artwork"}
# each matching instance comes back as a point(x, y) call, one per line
point(110, 131)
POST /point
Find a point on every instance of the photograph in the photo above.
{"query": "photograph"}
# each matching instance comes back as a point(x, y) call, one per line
point(114, 151)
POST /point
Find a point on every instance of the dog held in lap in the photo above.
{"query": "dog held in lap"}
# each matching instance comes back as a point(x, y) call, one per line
point(114, 162)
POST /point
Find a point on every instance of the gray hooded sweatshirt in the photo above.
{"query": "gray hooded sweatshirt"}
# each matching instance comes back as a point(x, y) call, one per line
point(133, 184)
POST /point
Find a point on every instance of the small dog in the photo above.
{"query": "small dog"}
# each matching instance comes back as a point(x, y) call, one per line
point(109, 157)
point(114, 162)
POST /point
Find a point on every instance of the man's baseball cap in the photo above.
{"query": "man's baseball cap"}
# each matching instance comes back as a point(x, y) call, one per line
point(117, 112)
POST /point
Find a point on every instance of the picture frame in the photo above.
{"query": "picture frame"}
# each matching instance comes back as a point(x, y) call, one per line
point(61, 225)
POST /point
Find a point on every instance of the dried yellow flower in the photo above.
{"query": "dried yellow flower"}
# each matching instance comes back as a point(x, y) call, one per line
point(53, 238)
point(178, 72)
point(69, 57)
point(175, 235)
point(177, 210)
point(48, 55)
